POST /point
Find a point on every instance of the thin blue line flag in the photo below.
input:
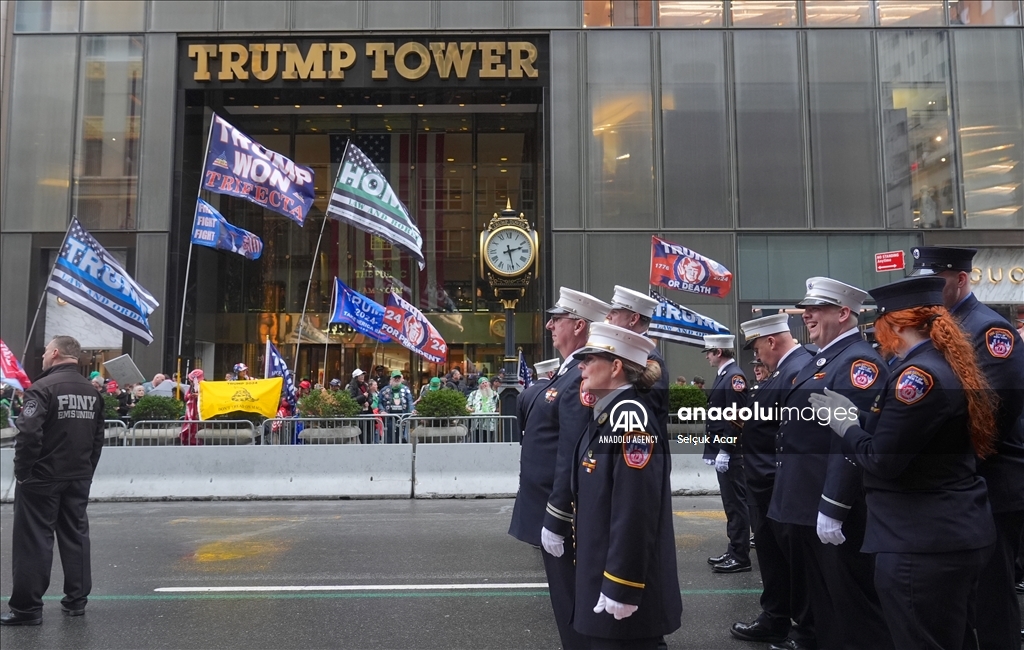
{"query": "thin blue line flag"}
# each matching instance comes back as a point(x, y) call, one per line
point(89, 278)
point(674, 322)
point(210, 228)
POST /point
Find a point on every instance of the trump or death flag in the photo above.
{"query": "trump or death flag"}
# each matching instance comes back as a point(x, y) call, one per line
point(89, 278)
point(407, 325)
point(364, 198)
point(674, 322)
point(239, 166)
point(11, 372)
point(211, 229)
point(260, 396)
point(678, 267)
point(364, 315)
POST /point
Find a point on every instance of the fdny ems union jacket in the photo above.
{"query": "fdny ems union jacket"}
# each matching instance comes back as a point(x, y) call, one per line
point(1000, 354)
point(730, 388)
point(625, 544)
point(557, 419)
point(811, 473)
point(60, 429)
point(759, 433)
point(923, 493)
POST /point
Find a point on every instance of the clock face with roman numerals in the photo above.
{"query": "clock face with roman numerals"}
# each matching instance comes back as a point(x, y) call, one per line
point(509, 251)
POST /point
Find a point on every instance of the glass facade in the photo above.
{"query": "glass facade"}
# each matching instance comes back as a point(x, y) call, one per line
point(783, 138)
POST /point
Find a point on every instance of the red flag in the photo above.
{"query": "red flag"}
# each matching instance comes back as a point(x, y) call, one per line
point(678, 267)
point(10, 368)
point(408, 326)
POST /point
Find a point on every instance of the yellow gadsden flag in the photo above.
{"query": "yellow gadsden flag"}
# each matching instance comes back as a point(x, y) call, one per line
point(261, 396)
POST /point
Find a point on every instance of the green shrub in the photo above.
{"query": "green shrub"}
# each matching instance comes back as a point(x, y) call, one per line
point(442, 404)
point(256, 419)
point(688, 396)
point(5, 414)
point(110, 405)
point(155, 407)
point(327, 404)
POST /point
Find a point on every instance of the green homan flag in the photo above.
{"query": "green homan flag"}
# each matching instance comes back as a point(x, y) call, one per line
point(365, 199)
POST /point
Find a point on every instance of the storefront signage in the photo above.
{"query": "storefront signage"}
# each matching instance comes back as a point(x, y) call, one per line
point(362, 62)
point(998, 275)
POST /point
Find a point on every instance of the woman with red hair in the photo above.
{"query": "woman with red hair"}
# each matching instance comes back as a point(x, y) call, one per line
point(929, 520)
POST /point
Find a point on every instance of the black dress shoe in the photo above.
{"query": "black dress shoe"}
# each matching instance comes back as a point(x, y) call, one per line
point(759, 630)
point(12, 618)
point(788, 644)
point(732, 565)
point(718, 560)
point(72, 612)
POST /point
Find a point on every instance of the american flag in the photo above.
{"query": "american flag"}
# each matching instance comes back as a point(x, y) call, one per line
point(524, 371)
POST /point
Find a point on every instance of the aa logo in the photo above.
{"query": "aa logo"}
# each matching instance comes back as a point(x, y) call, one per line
point(627, 419)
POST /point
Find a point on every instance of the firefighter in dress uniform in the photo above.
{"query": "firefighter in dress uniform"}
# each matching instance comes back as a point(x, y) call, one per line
point(929, 521)
point(818, 497)
point(785, 613)
point(545, 372)
point(1000, 354)
point(723, 451)
point(558, 415)
point(633, 311)
point(627, 589)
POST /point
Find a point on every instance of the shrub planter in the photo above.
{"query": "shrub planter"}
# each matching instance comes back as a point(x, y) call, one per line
point(344, 435)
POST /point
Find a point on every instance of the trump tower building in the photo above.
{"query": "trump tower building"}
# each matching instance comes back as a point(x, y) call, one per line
point(782, 138)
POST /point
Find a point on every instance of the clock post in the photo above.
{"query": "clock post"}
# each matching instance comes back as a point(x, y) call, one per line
point(509, 260)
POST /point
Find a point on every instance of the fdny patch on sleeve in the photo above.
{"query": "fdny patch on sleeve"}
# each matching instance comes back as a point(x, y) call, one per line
point(637, 451)
point(913, 385)
point(587, 399)
point(739, 384)
point(999, 342)
point(863, 374)
point(30, 408)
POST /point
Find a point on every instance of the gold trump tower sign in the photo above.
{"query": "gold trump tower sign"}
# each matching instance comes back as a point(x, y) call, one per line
point(471, 61)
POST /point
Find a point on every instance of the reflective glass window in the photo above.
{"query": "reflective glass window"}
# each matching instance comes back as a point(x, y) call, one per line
point(46, 16)
point(546, 13)
point(113, 15)
point(837, 13)
point(769, 130)
point(763, 13)
point(695, 131)
point(109, 124)
point(984, 12)
point(907, 13)
point(916, 127)
point(618, 13)
point(690, 13)
point(621, 149)
point(182, 16)
point(398, 14)
point(991, 121)
point(844, 130)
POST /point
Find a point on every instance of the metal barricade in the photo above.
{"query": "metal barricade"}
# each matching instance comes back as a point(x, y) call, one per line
point(361, 429)
point(155, 433)
point(114, 432)
point(468, 428)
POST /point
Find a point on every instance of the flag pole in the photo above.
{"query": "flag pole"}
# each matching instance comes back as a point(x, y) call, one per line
point(327, 336)
point(266, 360)
point(42, 296)
point(188, 263)
point(312, 267)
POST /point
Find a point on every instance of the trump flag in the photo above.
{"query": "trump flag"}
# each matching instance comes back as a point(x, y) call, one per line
point(211, 229)
point(364, 315)
point(678, 267)
point(237, 165)
point(11, 372)
point(407, 325)
point(89, 278)
point(674, 322)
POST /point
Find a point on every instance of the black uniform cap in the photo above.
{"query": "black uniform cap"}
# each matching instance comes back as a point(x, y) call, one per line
point(933, 259)
point(923, 291)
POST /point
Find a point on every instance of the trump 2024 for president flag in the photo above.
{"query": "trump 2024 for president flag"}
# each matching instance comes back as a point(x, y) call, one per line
point(237, 165)
point(364, 198)
point(89, 278)
point(407, 325)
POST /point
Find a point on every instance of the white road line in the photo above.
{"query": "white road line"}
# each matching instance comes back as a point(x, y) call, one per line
point(272, 588)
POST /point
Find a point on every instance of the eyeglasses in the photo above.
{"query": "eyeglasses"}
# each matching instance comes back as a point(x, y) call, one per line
point(591, 358)
point(556, 318)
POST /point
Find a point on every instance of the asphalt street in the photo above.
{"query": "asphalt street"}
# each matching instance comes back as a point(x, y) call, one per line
point(368, 574)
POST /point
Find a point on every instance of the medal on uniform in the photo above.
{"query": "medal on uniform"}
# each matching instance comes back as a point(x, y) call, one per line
point(821, 362)
point(589, 463)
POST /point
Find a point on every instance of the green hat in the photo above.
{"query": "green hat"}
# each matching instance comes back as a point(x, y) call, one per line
point(435, 383)
point(94, 374)
point(396, 373)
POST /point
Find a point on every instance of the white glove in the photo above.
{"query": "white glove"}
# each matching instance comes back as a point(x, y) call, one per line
point(832, 401)
point(552, 543)
point(722, 462)
point(830, 531)
point(616, 609)
point(709, 461)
